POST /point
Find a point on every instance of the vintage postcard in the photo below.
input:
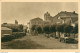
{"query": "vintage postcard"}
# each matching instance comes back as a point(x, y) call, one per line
point(45, 25)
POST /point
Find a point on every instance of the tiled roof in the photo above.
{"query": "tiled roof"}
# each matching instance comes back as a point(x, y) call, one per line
point(64, 14)
point(36, 19)
point(5, 28)
point(9, 24)
point(67, 13)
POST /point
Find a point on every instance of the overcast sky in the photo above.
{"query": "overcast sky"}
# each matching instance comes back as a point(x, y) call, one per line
point(24, 11)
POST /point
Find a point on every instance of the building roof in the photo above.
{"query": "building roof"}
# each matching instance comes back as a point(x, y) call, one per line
point(65, 15)
point(36, 19)
point(5, 28)
point(68, 13)
point(10, 25)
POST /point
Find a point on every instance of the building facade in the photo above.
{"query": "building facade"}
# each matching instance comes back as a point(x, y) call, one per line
point(62, 17)
point(47, 17)
point(36, 21)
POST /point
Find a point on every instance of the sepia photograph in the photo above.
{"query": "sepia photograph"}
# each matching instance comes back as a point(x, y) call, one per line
point(39, 25)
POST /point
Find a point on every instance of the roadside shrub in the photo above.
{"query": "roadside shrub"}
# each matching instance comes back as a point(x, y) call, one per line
point(13, 36)
point(39, 29)
point(46, 30)
point(18, 28)
point(7, 38)
point(53, 30)
point(33, 27)
point(18, 34)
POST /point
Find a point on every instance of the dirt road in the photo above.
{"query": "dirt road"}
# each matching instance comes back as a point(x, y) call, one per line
point(37, 42)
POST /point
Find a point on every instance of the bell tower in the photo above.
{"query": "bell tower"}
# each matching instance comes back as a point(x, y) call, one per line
point(16, 22)
point(46, 16)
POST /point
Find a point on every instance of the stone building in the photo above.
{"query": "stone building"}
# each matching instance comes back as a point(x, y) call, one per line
point(47, 17)
point(16, 22)
point(36, 21)
point(66, 17)
point(62, 17)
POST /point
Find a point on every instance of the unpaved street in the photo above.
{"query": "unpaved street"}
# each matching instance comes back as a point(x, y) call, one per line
point(37, 42)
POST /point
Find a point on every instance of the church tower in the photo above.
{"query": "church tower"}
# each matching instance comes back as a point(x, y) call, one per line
point(46, 16)
point(16, 22)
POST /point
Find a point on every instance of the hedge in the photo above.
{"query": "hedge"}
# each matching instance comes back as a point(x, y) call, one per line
point(15, 35)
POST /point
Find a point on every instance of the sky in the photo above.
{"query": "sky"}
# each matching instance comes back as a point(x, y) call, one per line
point(23, 12)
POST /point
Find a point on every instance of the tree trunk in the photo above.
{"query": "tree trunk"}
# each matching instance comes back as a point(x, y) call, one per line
point(74, 35)
point(52, 34)
point(48, 35)
point(59, 34)
point(69, 34)
point(55, 34)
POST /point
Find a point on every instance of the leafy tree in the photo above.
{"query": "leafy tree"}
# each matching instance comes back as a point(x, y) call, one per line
point(33, 27)
point(47, 30)
point(73, 32)
point(68, 29)
point(76, 28)
point(34, 30)
point(39, 29)
point(14, 29)
point(53, 29)
point(60, 29)
point(20, 28)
